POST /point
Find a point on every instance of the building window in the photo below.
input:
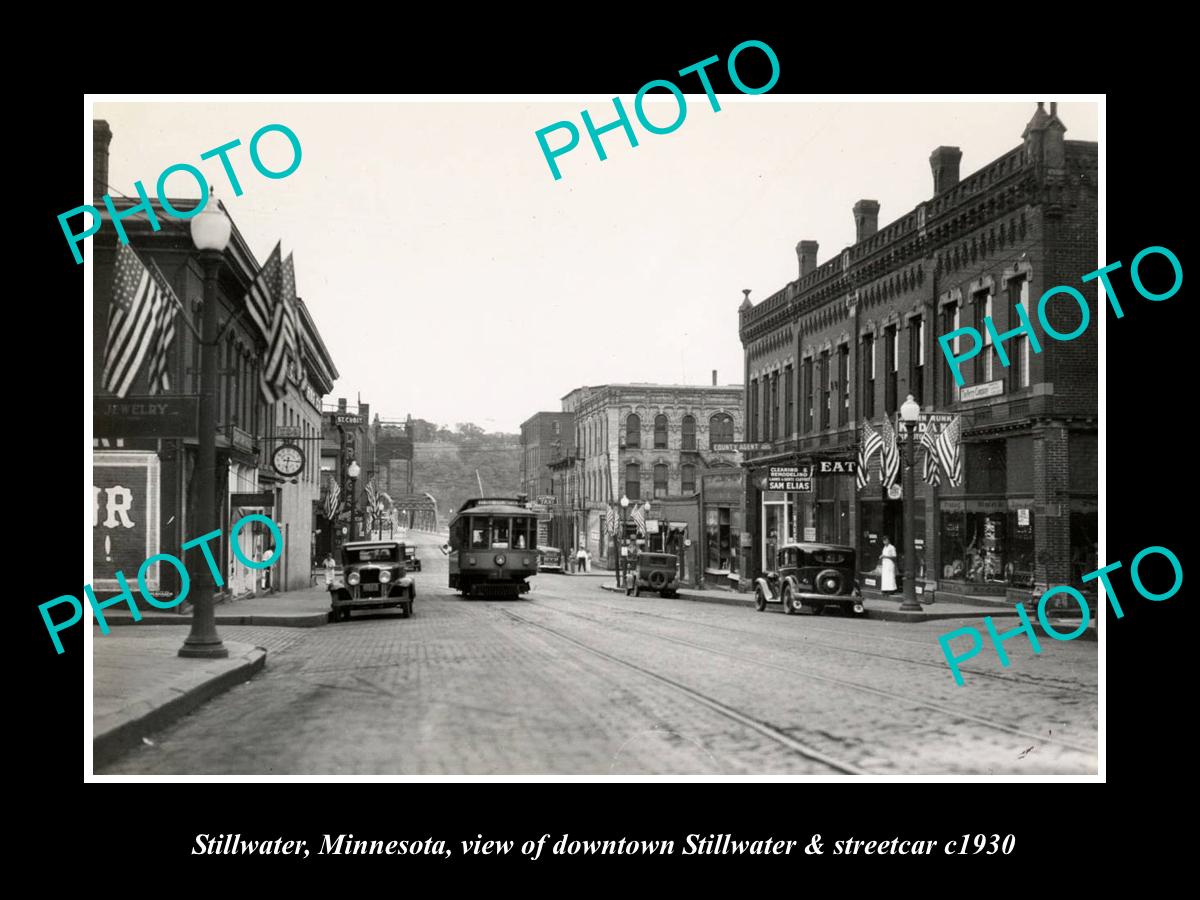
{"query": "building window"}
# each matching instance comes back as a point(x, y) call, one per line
point(689, 433)
point(660, 480)
point(775, 406)
point(633, 431)
point(720, 430)
point(844, 384)
point(753, 410)
point(868, 378)
point(660, 432)
point(950, 322)
point(766, 410)
point(687, 483)
point(891, 366)
point(633, 481)
point(983, 362)
point(808, 395)
point(916, 357)
point(1018, 293)
point(824, 390)
point(556, 429)
point(789, 402)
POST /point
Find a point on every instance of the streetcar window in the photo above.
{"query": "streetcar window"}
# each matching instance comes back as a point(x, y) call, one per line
point(479, 533)
point(500, 533)
point(520, 533)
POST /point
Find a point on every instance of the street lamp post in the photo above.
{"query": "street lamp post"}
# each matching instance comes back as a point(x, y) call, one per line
point(352, 471)
point(621, 541)
point(210, 233)
point(910, 415)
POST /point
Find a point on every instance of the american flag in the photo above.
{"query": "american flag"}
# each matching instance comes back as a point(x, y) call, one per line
point(639, 518)
point(610, 519)
point(889, 454)
point(332, 500)
point(133, 325)
point(260, 301)
point(164, 327)
point(949, 451)
point(868, 446)
point(372, 496)
point(932, 473)
point(281, 347)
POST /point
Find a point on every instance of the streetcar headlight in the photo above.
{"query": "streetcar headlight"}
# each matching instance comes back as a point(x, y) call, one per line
point(385, 576)
point(470, 560)
point(528, 562)
point(499, 559)
point(352, 578)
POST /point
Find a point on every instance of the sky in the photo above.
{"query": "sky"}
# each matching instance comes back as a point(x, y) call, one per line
point(453, 278)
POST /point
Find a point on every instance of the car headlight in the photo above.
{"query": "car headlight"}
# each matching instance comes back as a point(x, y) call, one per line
point(352, 578)
point(499, 559)
point(385, 576)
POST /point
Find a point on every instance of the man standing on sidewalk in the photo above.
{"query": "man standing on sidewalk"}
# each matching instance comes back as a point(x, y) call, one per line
point(581, 560)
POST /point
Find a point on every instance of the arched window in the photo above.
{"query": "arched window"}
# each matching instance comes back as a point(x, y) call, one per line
point(633, 481)
point(687, 480)
point(633, 431)
point(720, 429)
point(689, 433)
point(660, 480)
point(660, 432)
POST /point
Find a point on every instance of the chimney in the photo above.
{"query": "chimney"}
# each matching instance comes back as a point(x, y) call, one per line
point(341, 404)
point(866, 219)
point(806, 252)
point(101, 137)
point(944, 162)
point(714, 377)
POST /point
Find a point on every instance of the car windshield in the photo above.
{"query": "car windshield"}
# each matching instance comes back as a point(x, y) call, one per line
point(373, 554)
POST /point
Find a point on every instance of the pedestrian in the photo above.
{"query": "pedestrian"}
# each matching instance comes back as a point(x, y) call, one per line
point(581, 560)
point(887, 566)
point(329, 566)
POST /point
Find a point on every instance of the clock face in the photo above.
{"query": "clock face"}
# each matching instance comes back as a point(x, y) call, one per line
point(288, 460)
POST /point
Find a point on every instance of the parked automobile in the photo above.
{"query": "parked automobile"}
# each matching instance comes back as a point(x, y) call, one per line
point(550, 559)
point(411, 561)
point(812, 575)
point(653, 572)
point(373, 577)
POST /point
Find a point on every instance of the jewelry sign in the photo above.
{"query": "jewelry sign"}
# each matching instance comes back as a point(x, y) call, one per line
point(797, 479)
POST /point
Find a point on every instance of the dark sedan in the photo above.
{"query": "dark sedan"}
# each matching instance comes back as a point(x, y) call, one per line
point(373, 577)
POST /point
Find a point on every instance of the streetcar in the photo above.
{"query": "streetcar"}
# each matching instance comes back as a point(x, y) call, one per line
point(493, 547)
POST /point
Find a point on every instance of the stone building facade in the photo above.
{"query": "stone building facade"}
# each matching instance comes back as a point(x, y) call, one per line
point(849, 339)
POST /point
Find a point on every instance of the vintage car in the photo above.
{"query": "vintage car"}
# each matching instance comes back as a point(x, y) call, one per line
point(373, 577)
point(412, 562)
point(550, 559)
point(812, 575)
point(654, 572)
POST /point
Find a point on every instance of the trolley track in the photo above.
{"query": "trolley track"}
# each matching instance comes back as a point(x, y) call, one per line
point(958, 714)
point(1024, 680)
point(764, 728)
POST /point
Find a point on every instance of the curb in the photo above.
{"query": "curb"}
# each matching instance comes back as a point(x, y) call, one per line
point(125, 728)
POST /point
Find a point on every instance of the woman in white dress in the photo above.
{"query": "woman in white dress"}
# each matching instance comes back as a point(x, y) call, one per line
point(887, 567)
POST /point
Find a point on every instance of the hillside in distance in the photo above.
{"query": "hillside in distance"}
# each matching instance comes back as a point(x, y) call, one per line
point(446, 465)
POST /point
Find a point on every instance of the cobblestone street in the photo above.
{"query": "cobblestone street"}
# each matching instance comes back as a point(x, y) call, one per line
point(573, 680)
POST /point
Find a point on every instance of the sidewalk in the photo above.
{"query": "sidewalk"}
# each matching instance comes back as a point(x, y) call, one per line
point(140, 684)
point(306, 608)
point(879, 609)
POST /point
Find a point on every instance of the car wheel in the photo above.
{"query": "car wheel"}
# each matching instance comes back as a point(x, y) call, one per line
point(787, 600)
point(760, 600)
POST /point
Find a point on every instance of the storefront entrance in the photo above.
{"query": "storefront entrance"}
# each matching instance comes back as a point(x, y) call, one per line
point(778, 525)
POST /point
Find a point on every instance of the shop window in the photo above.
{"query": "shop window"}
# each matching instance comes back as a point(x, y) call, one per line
point(633, 481)
point(660, 480)
point(1020, 567)
point(975, 547)
point(687, 480)
point(689, 433)
point(660, 432)
point(633, 431)
point(720, 538)
point(1084, 546)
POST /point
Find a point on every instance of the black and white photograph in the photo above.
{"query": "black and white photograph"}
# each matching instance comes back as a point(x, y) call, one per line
point(707, 433)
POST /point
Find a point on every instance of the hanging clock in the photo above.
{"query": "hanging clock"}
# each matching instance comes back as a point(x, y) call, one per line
point(288, 460)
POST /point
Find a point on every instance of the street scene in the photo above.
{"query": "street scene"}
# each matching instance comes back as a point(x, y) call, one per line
point(573, 679)
point(461, 469)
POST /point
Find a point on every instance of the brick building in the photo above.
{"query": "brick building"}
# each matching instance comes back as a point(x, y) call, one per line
point(848, 340)
point(654, 442)
point(548, 439)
